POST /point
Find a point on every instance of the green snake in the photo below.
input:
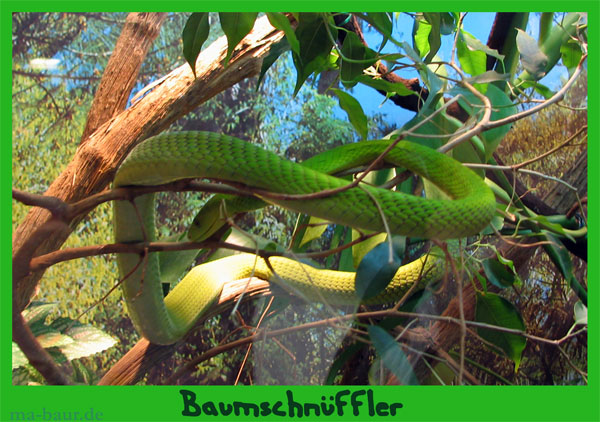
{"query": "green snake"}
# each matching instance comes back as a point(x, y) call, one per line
point(173, 156)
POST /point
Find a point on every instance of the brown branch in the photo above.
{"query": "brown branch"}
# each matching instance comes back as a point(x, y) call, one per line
point(502, 29)
point(69, 212)
point(56, 206)
point(42, 262)
point(408, 102)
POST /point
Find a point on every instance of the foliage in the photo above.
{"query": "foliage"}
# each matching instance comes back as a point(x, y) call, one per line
point(65, 339)
point(284, 111)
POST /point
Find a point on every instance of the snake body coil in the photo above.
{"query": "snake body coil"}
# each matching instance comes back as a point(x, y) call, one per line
point(175, 156)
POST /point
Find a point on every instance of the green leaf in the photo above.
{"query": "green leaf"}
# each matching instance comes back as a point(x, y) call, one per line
point(337, 364)
point(545, 26)
point(495, 225)
point(275, 51)
point(580, 316)
point(67, 339)
point(541, 89)
point(389, 87)
point(560, 257)
point(316, 227)
point(299, 230)
point(447, 23)
point(356, 115)
point(392, 356)
point(382, 22)
point(436, 89)
point(494, 310)
point(570, 52)
point(532, 58)
point(37, 312)
point(421, 31)
point(87, 341)
point(362, 248)
point(482, 280)
point(472, 61)
point(551, 226)
point(346, 255)
point(281, 22)
point(549, 48)
point(377, 269)
point(487, 77)
point(410, 52)
point(236, 26)
point(194, 34)
point(315, 46)
point(470, 152)
point(354, 49)
point(434, 36)
point(54, 339)
point(476, 45)
point(581, 313)
point(438, 124)
point(558, 36)
point(498, 273)
point(502, 107)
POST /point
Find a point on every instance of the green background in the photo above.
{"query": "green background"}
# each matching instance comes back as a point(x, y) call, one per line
point(547, 403)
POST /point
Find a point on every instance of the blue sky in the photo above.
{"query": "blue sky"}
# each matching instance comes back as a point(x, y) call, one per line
point(477, 24)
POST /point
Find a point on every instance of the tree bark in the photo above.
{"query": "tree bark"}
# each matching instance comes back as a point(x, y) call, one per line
point(119, 77)
point(96, 159)
point(561, 197)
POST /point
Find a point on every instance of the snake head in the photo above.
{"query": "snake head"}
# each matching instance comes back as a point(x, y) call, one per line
point(208, 220)
point(217, 210)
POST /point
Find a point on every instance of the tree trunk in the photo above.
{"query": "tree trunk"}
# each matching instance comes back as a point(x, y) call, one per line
point(561, 197)
point(138, 34)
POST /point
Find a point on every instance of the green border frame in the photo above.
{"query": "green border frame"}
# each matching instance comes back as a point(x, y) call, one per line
point(426, 403)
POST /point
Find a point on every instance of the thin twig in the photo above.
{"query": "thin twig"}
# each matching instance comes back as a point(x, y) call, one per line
point(44, 261)
point(485, 124)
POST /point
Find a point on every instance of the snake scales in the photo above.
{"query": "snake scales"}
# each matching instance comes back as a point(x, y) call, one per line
point(172, 156)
